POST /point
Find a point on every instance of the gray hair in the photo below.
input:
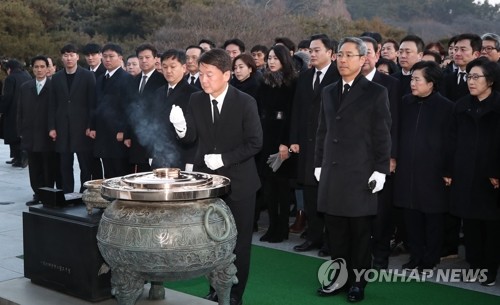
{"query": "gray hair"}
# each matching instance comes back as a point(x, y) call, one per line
point(492, 37)
point(360, 45)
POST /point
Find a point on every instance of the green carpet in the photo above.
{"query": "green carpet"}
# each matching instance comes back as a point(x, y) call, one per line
point(283, 278)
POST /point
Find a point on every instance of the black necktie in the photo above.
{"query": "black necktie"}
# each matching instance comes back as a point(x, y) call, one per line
point(192, 80)
point(169, 91)
point(143, 83)
point(107, 75)
point(461, 77)
point(316, 81)
point(347, 87)
point(215, 110)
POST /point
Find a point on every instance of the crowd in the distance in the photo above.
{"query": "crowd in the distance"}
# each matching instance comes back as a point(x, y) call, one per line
point(442, 180)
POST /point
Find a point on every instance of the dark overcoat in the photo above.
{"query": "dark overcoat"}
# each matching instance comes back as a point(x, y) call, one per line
point(475, 157)
point(351, 143)
point(8, 105)
point(138, 113)
point(424, 130)
point(70, 110)
point(162, 141)
point(304, 121)
point(33, 110)
point(275, 108)
point(108, 114)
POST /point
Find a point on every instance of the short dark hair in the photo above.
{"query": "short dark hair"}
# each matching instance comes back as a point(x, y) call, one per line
point(237, 42)
point(195, 47)
point(374, 35)
point(417, 40)
point(437, 57)
point(452, 40)
point(394, 43)
point(69, 48)
point(180, 55)
point(247, 59)
point(393, 67)
point(304, 44)
point(431, 71)
point(261, 48)
point(287, 42)
point(112, 47)
point(207, 41)
point(146, 46)
point(490, 70)
point(91, 48)
point(370, 40)
point(218, 58)
point(131, 56)
point(39, 57)
point(476, 42)
point(438, 45)
point(327, 42)
point(13, 65)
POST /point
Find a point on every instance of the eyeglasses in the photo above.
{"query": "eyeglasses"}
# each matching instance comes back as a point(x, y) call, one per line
point(474, 76)
point(347, 56)
point(488, 49)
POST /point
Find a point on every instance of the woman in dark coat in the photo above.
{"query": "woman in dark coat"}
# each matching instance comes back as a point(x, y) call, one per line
point(274, 98)
point(245, 74)
point(419, 187)
point(475, 167)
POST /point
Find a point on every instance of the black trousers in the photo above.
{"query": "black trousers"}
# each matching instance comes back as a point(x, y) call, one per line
point(43, 170)
point(276, 192)
point(349, 238)
point(482, 244)
point(383, 225)
point(85, 160)
point(97, 169)
point(115, 167)
point(315, 221)
point(425, 233)
point(243, 212)
point(451, 240)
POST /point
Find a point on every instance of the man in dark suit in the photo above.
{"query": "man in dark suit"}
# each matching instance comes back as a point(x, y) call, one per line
point(166, 150)
point(145, 85)
point(16, 76)
point(411, 50)
point(226, 123)
point(72, 95)
point(353, 145)
point(109, 120)
point(93, 57)
point(467, 48)
point(383, 225)
point(193, 53)
point(303, 127)
point(33, 107)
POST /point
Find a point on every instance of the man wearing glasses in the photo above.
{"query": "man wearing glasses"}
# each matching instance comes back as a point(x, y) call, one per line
point(353, 147)
point(491, 47)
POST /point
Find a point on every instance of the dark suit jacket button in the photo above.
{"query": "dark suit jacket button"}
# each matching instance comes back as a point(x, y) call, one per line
point(335, 141)
point(338, 117)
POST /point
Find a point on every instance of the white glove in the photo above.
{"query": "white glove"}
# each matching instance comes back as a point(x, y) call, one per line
point(317, 173)
point(214, 161)
point(379, 179)
point(177, 119)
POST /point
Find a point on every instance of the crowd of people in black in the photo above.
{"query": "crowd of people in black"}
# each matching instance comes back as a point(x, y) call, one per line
point(378, 143)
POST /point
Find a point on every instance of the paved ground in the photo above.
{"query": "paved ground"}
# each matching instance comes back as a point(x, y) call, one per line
point(15, 191)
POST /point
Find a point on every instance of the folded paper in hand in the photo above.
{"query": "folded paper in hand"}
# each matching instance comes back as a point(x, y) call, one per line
point(274, 161)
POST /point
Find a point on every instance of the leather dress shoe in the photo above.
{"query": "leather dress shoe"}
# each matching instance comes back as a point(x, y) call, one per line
point(11, 161)
point(307, 246)
point(325, 292)
point(212, 296)
point(234, 301)
point(324, 251)
point(355, 294)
